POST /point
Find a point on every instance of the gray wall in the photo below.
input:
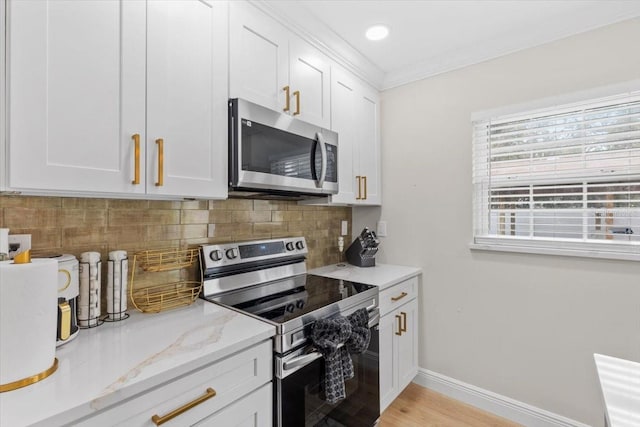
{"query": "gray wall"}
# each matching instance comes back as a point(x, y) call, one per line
point(524, 326)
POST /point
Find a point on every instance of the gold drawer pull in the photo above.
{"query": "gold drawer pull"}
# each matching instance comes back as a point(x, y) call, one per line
point(399, 325)
point(404, 320)
point(136, 158)
point(399, 297)
point(160, 143)
point(157, 420)
point(364, 180)
point(297, 95)
point(359, 178)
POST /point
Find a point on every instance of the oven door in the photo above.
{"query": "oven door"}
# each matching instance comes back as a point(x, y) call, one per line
point(299, 397)
point(273, 151)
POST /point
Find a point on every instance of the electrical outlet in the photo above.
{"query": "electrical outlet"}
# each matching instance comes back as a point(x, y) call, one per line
point(18, 243)
point(344, 228)
point(382, 228)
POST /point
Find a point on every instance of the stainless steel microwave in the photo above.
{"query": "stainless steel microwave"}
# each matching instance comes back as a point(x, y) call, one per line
point(275, 153)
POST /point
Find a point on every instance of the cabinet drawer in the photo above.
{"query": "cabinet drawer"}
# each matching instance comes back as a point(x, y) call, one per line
point(253, 410)
point(230, 378)
point(397, 295)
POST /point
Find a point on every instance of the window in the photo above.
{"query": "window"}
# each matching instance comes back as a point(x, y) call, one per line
point(562, 180)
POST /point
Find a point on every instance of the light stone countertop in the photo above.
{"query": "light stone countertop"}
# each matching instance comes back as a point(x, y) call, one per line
point(381, 275)
point(620, 384)
point(115, 361)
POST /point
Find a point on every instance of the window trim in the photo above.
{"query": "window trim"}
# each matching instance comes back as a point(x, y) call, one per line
point(615, 250)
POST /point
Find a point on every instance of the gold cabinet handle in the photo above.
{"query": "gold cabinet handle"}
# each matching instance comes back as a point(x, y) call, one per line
point(297, 95)
point(158, 420)
point(404, 321)
point(399, 325)
point(364, 179)
point(359, 178)
point(160, 143)
point(136, 158)
point(399, 297)
point(287, 95)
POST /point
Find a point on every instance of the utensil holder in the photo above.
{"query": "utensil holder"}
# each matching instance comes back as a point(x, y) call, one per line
point(360, 256)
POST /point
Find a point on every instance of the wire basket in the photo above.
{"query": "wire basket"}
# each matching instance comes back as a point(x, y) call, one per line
point(164, 296)
point(166, 259)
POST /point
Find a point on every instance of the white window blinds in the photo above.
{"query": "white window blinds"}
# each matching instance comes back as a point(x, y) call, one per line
point(567, 177)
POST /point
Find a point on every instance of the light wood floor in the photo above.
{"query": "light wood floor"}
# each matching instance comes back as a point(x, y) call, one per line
point(420, 407)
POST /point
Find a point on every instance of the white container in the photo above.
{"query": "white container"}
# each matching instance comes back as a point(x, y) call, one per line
point(28, 322)
point(90, 285)
point(118, 270)
point(4, 241)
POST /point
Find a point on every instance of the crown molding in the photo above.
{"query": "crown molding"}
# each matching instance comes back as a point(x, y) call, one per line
point(462, 58)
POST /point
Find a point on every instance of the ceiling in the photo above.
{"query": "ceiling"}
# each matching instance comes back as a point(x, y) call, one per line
point(431, 37)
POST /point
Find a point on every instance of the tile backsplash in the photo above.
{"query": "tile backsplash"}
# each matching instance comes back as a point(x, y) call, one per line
point(75, 225)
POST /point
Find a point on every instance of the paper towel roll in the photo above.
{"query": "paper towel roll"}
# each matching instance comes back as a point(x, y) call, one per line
point(89, 297)
point(117, 285)
point(28, 301)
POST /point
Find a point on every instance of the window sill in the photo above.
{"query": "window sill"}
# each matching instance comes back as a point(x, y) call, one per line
point(531, 249)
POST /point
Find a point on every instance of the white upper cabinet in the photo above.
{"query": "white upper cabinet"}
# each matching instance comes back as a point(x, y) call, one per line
point(343, 119)
point(309, 81)
point(186, 99)
point(76, 94)
point(355, 117)
point(259, 57)
point(272, 67)
point(368, 147)
point(93, 85)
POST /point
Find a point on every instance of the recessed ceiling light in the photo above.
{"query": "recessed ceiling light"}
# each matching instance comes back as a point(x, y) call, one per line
point(377, 32)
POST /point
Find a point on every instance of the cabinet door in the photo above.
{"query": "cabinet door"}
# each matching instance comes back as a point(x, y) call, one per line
point(76, 80)
point(343, 111)
point(309, 78)
point(368, 110)
point(253, 410)
point(259, 57)
point(388, 360)
point(408, 344)
point(186, 99)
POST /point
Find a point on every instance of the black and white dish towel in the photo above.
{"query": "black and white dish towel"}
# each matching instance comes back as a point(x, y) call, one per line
point(335, 338)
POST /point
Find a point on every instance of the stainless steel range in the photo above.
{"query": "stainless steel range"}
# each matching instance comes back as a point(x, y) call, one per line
point(267, 279)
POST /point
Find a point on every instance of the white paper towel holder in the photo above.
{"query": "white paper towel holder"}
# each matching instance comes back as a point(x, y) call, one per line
point(30, 380)
point(25, 258)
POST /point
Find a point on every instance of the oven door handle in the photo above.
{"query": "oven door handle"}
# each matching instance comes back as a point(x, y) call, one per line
point(301, 361)
point(374, 319)
point(305, 359)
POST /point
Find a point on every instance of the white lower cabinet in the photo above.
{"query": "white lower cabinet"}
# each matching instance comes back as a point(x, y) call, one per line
point(254, 410)
point(398, 339)
point(234, 391)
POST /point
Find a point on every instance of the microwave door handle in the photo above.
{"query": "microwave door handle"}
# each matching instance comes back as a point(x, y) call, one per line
point(323, 151)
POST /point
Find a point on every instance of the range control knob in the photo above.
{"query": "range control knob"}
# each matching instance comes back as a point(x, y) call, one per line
point(289, 246)
point(215, 255)
point(299, 245)
point(232, 253)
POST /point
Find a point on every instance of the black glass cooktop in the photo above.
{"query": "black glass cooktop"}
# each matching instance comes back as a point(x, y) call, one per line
point(287, 299)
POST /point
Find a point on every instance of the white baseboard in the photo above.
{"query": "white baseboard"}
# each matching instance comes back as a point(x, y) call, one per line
point(486, 400)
